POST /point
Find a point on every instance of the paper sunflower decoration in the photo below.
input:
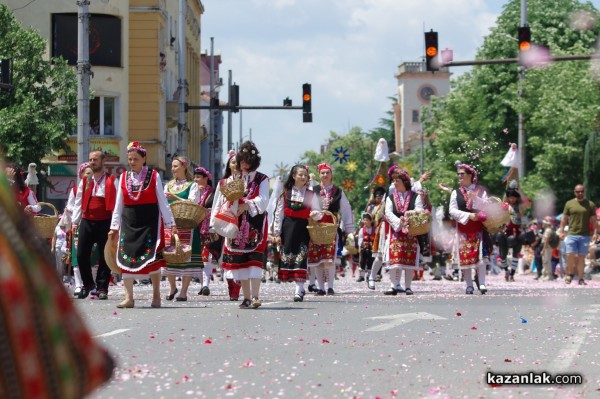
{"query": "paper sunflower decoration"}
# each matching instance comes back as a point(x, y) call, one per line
point(341, 155)
point(407, 166)
point(351, 166)
point(348, 184)
point(380, 180)
point(281, 169)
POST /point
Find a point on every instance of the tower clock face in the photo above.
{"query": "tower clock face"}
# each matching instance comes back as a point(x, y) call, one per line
point(426, 92)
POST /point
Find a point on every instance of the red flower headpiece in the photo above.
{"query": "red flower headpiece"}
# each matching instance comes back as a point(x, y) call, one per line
point(201, 171)
point(82, 168)
point(322, 166)
point(135, 146)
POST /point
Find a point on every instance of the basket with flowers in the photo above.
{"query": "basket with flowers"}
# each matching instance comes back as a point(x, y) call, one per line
point(494, 215)
point(416, 223)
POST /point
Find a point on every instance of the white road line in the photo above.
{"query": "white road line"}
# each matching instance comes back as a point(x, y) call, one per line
point(114, 332)
point(567, 354)
point(399, 319)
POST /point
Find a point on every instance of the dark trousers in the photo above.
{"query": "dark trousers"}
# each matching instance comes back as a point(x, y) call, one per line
point(93, 232)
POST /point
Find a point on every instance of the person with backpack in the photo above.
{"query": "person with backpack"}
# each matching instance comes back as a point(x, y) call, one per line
point(550, 241)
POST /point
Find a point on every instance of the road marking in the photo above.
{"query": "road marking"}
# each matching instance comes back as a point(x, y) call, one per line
point(400, 319)
point(567, 354)
point(114, 332)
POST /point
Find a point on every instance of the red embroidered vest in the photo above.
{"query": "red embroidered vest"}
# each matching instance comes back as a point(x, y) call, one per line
point(98, 208)
point(148, 194)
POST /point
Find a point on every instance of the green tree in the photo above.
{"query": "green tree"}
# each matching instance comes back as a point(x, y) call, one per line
point(476, 122)
point(40, 112)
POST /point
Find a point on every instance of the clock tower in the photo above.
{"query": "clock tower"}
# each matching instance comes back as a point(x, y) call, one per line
point(416, 86)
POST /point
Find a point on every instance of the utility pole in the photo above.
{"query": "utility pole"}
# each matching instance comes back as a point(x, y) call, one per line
point(211, 118)
point(229, 116)
point(83, 81)
point(521, 133)
point(182, 83)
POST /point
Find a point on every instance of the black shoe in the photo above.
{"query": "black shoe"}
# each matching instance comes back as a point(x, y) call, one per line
point(391, 291)
point(330, 291)
point(320, 293)
point(181, 299)
point(360, 279)
point(298, 298)
point(233, 299)
point(312, 288)
point(245, 304)
point(408, 291)
point(103, 296)
point(171, 296)
point(482, 289)
point(204, 291)
point(449, 278)
point(83, 294)
point(400, 290)
point(437, 278)
point(469, 291)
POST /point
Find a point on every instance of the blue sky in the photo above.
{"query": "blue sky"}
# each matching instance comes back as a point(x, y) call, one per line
point(349, 50)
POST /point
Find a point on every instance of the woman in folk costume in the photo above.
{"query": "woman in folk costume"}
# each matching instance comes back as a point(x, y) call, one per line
point(25, 197)
point(244, 255)
point(84, 172)
point(140, 213)
point(181, 188)
point(295, 205)
point(403, 248)
point(321, 257)
point(202, 238)
point(465, 203)
point(215, 247)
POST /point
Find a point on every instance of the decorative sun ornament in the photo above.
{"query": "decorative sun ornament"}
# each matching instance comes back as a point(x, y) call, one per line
point(407, 166)
point(341, 155)
point(380, 180)
point(348, 184)
point(281, 169)
point(351, 166)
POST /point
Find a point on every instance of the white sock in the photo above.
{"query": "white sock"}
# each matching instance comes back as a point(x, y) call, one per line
point(377, 263)
point(299, 288)
point(408, 276)
point(481, 270)
point(77, 275)
point(330, 270)
point(320, 278)
point(207, 273)
point(312, 275)
point(395, 278)
point(467, 273)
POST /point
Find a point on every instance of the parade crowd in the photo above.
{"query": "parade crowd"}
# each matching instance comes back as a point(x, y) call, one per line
point(138, 230)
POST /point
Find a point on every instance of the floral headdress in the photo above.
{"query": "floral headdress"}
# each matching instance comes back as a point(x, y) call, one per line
point(470, 169)
point(231, 154)
point(252, 151)
point(82, 168)
point(396, 169)
point(201, 171)
point(135, 146)
point(322, 166)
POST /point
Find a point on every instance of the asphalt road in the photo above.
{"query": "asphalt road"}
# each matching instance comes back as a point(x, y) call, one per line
point(359, 343)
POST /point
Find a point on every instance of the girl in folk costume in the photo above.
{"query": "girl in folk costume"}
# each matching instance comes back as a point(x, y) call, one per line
point(464, 205)
point(295, 205)
point(215, 247)
point(140, 212)
point(244, 255)
point(377, 212)
point(181, 188)
point(84, 172)
point(25, 197)
point(321, 257)
point(403, 248)
point(366, 237)
point(202, 238)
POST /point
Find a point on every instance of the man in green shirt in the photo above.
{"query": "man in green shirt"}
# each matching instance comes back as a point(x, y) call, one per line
point(579, 214)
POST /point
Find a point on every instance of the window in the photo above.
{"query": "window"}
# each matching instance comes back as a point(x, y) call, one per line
point(105, 39)
point(102, 116)
point(415, 116)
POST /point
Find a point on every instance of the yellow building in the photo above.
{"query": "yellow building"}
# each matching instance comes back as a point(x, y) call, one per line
point(134, 54)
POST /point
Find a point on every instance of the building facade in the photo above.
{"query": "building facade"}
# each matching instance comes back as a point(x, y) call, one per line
point(134, 56)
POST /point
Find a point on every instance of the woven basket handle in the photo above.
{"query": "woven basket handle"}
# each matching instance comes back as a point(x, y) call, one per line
point(313, 222)
point(175, 242)
point(49, 205)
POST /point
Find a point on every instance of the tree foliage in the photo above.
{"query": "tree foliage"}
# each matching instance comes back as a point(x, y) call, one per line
point(560, 104)
point(38, 114)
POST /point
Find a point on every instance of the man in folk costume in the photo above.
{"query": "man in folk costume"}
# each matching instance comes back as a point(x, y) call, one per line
point(321, 257)
point(377, 212)
point(465, 203)
point(94, 205)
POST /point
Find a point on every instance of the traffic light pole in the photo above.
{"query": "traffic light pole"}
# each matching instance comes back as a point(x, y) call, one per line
point(229, 108)
point(521, 122)
point(516, 60)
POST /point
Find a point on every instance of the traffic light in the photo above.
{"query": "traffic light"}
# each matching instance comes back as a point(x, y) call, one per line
point(287, 102)
point(234, 97)
point(306, 103)
point(524, 38)
point(306, 98)
point(431, 50)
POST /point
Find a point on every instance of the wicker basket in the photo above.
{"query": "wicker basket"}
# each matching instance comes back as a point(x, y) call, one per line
point(418, 229)
point(497, 216)
point(110, 253)
point(187, 214)
point(234, 190)
point(322, 233)
point(177, 253)
point(46, 223)
point(351, 249)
